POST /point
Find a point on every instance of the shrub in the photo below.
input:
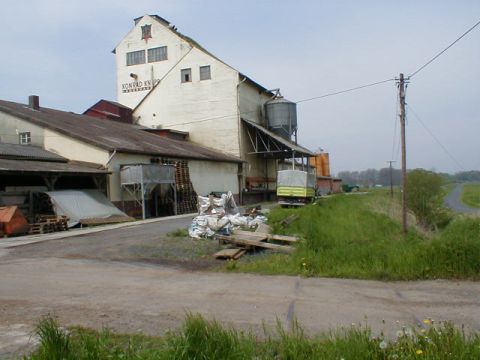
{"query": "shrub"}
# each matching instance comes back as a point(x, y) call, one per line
point(425, 199)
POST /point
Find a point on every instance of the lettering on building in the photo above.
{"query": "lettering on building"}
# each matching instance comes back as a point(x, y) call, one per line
point(139, 85)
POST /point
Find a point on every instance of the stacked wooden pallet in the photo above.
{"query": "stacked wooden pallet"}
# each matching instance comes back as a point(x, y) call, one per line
point(49, 223)
point(186, 195)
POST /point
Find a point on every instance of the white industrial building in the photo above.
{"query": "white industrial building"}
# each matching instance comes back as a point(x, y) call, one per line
point(87, 152)
point(172, 82)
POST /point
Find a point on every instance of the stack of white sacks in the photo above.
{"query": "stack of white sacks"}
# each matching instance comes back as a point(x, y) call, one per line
point(220, 215)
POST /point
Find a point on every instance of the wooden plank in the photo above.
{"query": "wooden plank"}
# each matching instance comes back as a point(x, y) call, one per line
point(227, 253)
point(283, 238)
point(250, 234)
point(262, 237)
point(242, 240)
point(239, 254)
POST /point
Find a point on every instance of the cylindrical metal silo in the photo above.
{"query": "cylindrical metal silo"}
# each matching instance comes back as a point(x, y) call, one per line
point(281, 117)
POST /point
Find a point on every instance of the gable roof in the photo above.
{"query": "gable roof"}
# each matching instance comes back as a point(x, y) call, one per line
point(113, 135)
point(195, 44)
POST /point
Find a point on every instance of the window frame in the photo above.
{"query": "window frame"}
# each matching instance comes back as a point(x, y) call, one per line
point(209, 72)
point(133, 57)
point(25, 138)
point(165, 53)
point(183, 72)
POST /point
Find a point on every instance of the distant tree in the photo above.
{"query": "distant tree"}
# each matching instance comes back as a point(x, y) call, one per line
point(425, 198)
point(472, 175)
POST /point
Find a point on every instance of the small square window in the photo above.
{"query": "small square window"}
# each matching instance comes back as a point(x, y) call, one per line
point(25, 138)
point(136, 57)
point(186, 75)
point(205, 73)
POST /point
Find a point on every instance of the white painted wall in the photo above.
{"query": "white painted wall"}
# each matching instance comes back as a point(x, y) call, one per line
point(74, 149)
point(207, 109)
point(10, 126)
point(161, 36)
point(208, 176)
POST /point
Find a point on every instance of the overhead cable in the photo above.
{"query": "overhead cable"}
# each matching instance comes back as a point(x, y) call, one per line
point(441, 52)
point(435, 138)
point(344, 91)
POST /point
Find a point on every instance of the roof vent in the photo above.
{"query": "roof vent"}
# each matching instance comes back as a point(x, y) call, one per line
point(34, 102)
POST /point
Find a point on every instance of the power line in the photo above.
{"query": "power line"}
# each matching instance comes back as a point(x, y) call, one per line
point(435, 138)
point(441, 52)
point(297, 102)
point(344, 91)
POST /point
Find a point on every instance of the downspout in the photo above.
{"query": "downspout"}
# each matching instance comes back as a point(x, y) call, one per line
point(108, 183)
point(239, 123)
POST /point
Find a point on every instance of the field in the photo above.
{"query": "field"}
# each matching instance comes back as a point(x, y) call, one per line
point(202, 339)
point(471, 195)
point(360, 237)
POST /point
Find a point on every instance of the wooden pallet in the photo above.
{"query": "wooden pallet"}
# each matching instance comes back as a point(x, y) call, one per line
point(252, 242)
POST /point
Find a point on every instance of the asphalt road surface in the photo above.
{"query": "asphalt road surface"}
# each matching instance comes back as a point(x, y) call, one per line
point(453, 201)
point(129, 296)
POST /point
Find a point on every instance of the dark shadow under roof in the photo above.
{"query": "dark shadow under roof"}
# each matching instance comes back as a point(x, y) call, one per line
point(112, 135)
point(275, 146)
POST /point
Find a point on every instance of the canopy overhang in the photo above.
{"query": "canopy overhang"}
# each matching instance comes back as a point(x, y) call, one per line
point(267, 144)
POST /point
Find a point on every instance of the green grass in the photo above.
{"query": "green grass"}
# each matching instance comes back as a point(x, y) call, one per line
point(179, 233)
point(471, 195)
point(208, 340)
point(345, 236)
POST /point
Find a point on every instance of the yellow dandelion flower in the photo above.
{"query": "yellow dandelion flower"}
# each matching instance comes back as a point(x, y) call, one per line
point(422, 331)
point(419, 352)
point(427, 321)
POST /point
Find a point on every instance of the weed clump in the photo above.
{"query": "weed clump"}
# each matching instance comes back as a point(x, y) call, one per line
point(208, 340)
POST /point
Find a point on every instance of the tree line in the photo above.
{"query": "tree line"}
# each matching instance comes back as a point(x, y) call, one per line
point(372, 177)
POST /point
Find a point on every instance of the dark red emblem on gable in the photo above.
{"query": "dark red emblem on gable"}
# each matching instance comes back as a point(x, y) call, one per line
point(146, 32)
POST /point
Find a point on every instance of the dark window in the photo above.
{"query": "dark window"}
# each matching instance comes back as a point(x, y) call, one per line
point(186, 75)
point(205, 73)
point(25, 138)
point(136, 57)
point(157, 54)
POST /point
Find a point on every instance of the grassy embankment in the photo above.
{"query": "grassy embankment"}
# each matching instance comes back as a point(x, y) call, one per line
point(201, 339)
point(359, 237)
point(471, 195)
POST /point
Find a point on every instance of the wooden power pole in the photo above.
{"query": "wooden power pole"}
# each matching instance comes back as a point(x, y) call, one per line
point(401, 94)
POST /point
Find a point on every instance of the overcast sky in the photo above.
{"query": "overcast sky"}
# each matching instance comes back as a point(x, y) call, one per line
point(61, 51)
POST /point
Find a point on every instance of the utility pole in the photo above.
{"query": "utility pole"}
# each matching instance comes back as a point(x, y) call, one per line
point(401, 95)
point(391, 178)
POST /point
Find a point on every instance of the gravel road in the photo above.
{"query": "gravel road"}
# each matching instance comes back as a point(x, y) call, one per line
point(76, 279)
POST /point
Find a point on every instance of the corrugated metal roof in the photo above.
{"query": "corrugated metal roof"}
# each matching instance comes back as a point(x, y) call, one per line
point(28, 152)
point(300, 150)
point(29, 166)
point(113, 135)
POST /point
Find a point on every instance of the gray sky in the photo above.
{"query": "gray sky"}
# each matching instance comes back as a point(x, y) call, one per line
point(61, 51)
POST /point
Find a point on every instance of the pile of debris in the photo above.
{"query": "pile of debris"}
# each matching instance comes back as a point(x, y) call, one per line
point(219, 217)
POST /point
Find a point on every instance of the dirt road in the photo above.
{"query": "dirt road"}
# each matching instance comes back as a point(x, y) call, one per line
point(130, 296)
